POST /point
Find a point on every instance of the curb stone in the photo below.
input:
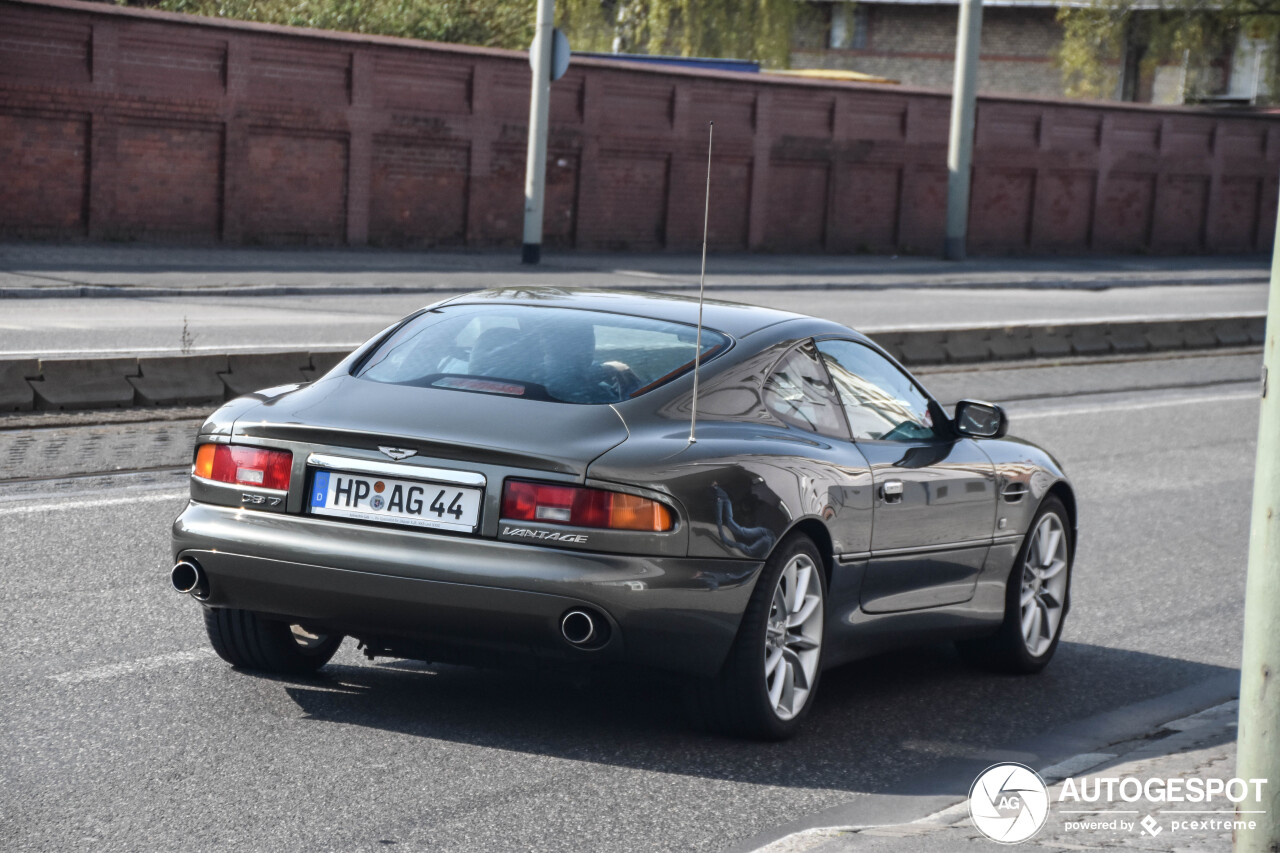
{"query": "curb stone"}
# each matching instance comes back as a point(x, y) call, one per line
point(97, 383)
point(1202, 745)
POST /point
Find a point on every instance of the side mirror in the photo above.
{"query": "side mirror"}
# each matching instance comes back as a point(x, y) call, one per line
point(977, 419)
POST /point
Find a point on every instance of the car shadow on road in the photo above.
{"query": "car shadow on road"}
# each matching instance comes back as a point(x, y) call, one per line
point(877, 723)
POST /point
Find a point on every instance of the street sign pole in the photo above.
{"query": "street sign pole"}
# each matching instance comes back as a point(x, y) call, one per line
point(535, 173)
point(960, 145)
point(1258, 738)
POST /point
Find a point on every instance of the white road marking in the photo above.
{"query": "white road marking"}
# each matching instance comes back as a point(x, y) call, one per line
point(113, 670)
point(1133, 405)
point(87, 504)
point(658, 275)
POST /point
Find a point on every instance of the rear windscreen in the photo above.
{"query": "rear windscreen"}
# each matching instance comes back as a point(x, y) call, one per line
point(561, 354)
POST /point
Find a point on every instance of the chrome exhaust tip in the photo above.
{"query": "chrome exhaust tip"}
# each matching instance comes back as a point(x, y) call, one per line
point(188, 578)
point(578, 627)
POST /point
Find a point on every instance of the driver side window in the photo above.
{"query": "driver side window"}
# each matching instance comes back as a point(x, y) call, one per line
point(880, 401)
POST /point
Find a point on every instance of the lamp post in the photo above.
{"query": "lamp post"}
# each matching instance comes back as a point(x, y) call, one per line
point(535, 172)
point(960, 144)
point(1258, 739)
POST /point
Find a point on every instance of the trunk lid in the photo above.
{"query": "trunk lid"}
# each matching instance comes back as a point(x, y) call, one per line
point(342, 411)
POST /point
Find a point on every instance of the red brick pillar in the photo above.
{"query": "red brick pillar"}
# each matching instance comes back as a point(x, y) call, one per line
point(360, 149)
point(685, 174)
point(589, 189)
point(102, 131)
point(235, 146)
point(485, 129)
point(1105, 160)
point(762, 142)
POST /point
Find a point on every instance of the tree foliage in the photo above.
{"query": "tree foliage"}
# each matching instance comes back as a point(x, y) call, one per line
point(739, 29)
point(745, 29)
point(492, 23)
point(1197, 34)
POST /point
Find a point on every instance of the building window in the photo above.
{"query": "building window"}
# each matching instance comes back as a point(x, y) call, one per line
point(848, 26)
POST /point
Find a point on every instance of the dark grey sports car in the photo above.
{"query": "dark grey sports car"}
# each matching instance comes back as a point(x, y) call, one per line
point(517, 475)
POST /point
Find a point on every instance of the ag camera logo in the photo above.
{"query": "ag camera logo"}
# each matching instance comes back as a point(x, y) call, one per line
point(1009, 803)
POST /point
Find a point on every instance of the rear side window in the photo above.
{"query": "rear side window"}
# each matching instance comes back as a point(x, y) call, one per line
point(560, 354)
point(799, 393)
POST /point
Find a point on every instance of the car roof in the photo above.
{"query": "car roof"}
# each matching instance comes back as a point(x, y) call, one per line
point(733, 318)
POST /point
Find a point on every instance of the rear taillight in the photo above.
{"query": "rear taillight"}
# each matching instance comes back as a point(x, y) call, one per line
point(244, 466)
point(582, 507)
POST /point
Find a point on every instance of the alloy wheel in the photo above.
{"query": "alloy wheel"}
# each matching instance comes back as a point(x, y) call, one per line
point(793, 636)
point(1044, 585)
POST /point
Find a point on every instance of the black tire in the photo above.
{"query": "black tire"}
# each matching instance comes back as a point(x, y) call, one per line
point(737, 701)
point(1006, 650)
point(249, 640)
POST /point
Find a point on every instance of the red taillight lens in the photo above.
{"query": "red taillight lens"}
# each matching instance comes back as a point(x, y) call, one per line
point(583, 507)
point(244, 466)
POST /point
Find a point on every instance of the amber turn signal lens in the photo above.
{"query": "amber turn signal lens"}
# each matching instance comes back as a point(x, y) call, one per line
point(577, 506)
point(631, 512)
point(244, 466)
point(204, 461)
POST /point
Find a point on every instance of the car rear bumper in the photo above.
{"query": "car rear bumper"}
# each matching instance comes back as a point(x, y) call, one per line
point(466, 598)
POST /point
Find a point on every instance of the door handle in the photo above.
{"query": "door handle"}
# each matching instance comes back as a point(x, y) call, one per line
point(891, 491)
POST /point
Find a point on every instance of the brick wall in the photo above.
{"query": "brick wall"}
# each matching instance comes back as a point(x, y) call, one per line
point(125, 124)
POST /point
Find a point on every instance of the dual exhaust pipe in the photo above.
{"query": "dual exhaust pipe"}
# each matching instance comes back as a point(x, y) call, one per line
point(580, 627)
point(189, 579)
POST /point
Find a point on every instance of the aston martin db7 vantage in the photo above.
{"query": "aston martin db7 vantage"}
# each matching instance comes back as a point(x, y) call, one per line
point(548, 476)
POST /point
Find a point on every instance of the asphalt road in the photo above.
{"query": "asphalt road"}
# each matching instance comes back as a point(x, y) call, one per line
point(119, 730)
point(47, 327)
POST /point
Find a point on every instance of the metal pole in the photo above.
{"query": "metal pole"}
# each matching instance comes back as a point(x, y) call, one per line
point(535, 171)
point(1258, 740)
point(960, 147)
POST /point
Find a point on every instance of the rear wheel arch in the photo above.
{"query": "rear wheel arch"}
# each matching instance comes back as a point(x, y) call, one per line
point(821, 537)
point(815, 531)
point(771, 674)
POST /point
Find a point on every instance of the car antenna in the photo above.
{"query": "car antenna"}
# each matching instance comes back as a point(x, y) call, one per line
point(702, 286)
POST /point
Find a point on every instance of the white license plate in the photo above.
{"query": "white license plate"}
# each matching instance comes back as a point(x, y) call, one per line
point(415, 503)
